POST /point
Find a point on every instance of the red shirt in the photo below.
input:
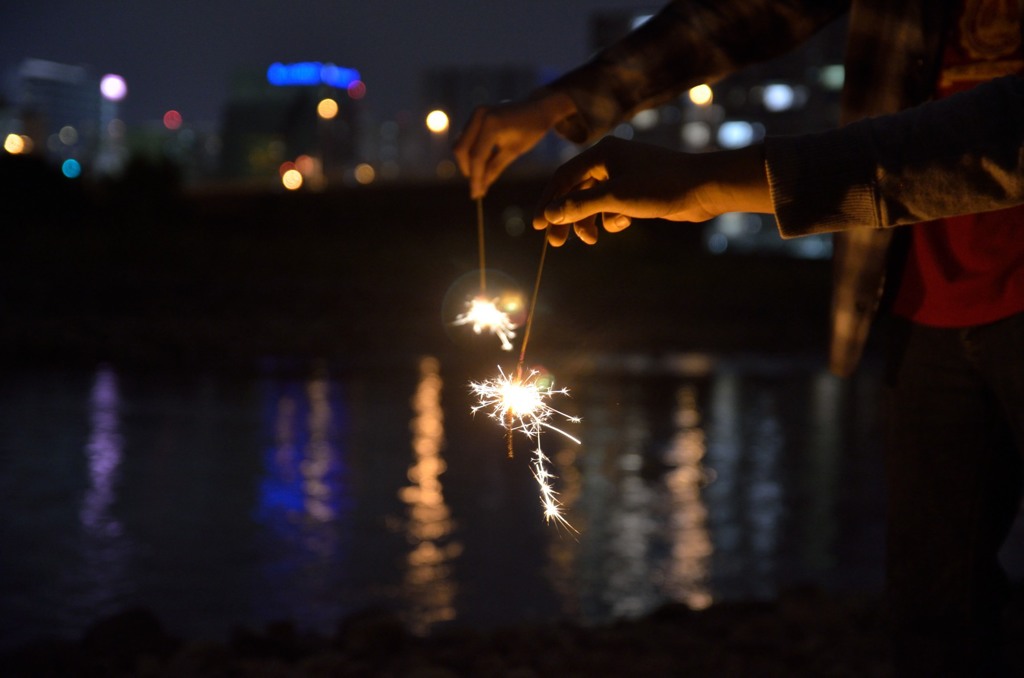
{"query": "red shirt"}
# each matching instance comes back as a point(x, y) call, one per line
point(969, 270)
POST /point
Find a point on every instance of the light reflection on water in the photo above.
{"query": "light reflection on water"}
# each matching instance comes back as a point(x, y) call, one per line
point(219, 502)
point(428, 582)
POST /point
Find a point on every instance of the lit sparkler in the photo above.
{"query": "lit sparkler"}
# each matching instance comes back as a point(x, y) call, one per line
point(520, 404)
point(484, 315)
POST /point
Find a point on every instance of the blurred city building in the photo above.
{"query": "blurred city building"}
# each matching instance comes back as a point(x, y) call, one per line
point(305, 117)
point(68, 115)
point(55, 111)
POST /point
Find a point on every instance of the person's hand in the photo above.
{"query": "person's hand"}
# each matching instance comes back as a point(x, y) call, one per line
point(497, 135)
point(618, 181)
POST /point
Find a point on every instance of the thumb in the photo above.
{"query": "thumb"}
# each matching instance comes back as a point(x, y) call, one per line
point(581, 203)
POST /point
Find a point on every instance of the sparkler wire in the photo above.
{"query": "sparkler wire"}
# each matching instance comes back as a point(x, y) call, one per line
point(480, 244)
point(533, 307)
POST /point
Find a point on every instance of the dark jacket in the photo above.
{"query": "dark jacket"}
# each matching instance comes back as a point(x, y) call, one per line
point(893, 161)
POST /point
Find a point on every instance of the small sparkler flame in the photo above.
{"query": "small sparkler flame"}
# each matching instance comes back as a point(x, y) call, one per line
point(484, 314)
point(519, 404)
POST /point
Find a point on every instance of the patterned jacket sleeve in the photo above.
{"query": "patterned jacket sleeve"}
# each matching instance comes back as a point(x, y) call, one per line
point(687, 43)
point(958, 155)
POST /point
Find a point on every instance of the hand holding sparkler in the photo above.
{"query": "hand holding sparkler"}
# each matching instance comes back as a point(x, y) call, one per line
point(620, 180)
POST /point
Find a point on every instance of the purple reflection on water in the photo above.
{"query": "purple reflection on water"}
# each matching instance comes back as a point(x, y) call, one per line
point(103, 452)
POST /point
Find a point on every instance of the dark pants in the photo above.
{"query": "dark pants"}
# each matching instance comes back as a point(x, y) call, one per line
point(955, 445)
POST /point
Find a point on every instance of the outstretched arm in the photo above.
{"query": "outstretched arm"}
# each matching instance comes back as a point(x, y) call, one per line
point(953, 156)
point(687, 43)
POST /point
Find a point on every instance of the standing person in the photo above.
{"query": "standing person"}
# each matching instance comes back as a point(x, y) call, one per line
point(933, 140)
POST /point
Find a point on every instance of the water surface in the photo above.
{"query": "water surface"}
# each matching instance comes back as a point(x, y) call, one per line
point(222, 501)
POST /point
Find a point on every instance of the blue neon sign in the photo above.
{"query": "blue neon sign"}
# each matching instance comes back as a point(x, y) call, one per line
point(311, 73)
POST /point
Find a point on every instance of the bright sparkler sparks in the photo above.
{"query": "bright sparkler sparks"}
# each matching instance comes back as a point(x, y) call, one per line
point(548, 496)
point(484, 314)
point(519, 404)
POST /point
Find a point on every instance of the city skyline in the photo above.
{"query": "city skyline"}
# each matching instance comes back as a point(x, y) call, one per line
point(183, 56)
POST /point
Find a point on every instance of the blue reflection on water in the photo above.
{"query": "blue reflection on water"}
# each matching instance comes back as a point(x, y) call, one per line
point(303, 500)
point(219, 502)
point(306, 472)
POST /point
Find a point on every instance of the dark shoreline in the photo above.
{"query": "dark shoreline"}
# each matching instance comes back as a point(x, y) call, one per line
point(803, 632)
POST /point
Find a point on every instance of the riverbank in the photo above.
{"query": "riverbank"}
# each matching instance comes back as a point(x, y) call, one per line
point(804, 632)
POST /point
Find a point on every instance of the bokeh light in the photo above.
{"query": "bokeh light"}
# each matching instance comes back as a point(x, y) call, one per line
point(68, 135)
point(437, 122)
point(113, 87)
point(735, 134)
point(778, 97)
point(646, 119)
point(701, 95)
point(172, 119)
point(832, 77)
point(14, 144)
point(445, 169)
point(364, 173)
point(116, 128)
point(292, 179)
point(327, 108)
point(357, 89)
point(71, 168)
point(305, 164)
point(695, 134)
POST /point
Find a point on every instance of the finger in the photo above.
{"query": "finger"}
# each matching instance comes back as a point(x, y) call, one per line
point(582, 203)
point(586, 229)
point(500, 159)
point(613, 223)
point(480, 153)
point(557, 235)
point(465, 141)
point(580, 172)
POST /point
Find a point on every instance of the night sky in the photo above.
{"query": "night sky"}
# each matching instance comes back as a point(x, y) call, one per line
point(181, 54)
